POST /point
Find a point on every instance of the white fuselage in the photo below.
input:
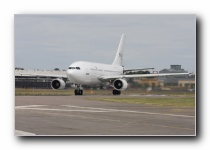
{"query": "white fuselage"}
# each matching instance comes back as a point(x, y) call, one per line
point(88, 73)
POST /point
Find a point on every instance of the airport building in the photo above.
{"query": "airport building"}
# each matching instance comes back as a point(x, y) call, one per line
point(189, 82)
point(148, 82)
point(173, 80)
point(168, 81)
point(174, 69)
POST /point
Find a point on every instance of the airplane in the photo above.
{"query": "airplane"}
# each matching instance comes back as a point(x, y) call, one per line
point(89, 73)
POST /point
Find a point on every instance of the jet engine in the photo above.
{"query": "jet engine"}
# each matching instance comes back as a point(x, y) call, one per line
point(120, 84)
point(58, 84)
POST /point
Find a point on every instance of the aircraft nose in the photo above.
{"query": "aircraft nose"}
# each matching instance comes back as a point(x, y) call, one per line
point(71, 74)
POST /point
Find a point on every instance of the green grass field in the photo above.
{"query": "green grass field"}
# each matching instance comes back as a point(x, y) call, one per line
point(51, 92)
point(68, 92)
point(42, 92)
point(176, 102)
point(177, 99)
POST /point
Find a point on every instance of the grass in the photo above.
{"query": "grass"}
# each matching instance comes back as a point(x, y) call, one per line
point(177, 98)
point(42, 92)
point(51, 92)
point(69, 92)
point(176, 102)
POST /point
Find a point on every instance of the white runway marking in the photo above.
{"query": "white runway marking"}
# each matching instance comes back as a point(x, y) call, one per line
point(145, 95)
point(32, 107)
point(23, 133)
point(48, 109)
point(92, 109)
point(149, 113)
point(29, 106)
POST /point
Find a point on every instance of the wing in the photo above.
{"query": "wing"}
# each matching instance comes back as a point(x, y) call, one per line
point(107, 78)
point(42, 75)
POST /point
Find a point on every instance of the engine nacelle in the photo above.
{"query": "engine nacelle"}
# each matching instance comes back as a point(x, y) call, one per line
point(120, 84)
point(58, 84)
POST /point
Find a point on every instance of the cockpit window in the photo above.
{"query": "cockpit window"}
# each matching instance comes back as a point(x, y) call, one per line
point(71, 67)
point(78, 68)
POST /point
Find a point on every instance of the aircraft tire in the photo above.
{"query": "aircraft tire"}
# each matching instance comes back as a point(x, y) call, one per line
point(75, 92)
point(116, 92)
point(78, 92)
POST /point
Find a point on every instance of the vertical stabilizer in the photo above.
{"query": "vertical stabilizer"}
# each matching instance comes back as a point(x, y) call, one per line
point(119, 55)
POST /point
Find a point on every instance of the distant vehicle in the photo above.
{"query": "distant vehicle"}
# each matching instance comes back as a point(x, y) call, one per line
point(89, 73)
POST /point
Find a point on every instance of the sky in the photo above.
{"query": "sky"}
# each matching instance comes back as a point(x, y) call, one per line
point(55, 41)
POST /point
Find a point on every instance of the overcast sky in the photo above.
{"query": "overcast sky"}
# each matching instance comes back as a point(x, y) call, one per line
point(56, 41)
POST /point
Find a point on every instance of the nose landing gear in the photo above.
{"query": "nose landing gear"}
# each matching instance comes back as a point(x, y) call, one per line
point(79, 90)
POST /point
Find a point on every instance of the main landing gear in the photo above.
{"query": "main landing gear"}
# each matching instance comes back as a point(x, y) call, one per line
point(79, 90)
point(116, 92)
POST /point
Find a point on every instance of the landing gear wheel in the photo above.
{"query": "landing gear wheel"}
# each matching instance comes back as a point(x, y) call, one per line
point(78, 92)
point(116, 92)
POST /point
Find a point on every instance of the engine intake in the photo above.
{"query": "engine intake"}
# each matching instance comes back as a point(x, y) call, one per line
point(120, 84)
point(58, 84)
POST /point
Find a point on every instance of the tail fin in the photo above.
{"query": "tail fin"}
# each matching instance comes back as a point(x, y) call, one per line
point(119, 55)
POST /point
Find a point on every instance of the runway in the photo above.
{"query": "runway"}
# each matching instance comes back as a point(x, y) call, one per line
point(77, 115)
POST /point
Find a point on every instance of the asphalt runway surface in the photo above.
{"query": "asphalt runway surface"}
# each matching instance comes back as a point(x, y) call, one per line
point(78, 116)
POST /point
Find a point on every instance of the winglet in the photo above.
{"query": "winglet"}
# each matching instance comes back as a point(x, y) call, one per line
point(119, 55)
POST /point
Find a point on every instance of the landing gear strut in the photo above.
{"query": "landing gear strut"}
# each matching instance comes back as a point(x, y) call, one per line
point(116, 92)
point(79, 90)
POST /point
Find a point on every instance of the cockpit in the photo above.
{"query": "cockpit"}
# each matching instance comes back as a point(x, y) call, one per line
point(77, 68)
